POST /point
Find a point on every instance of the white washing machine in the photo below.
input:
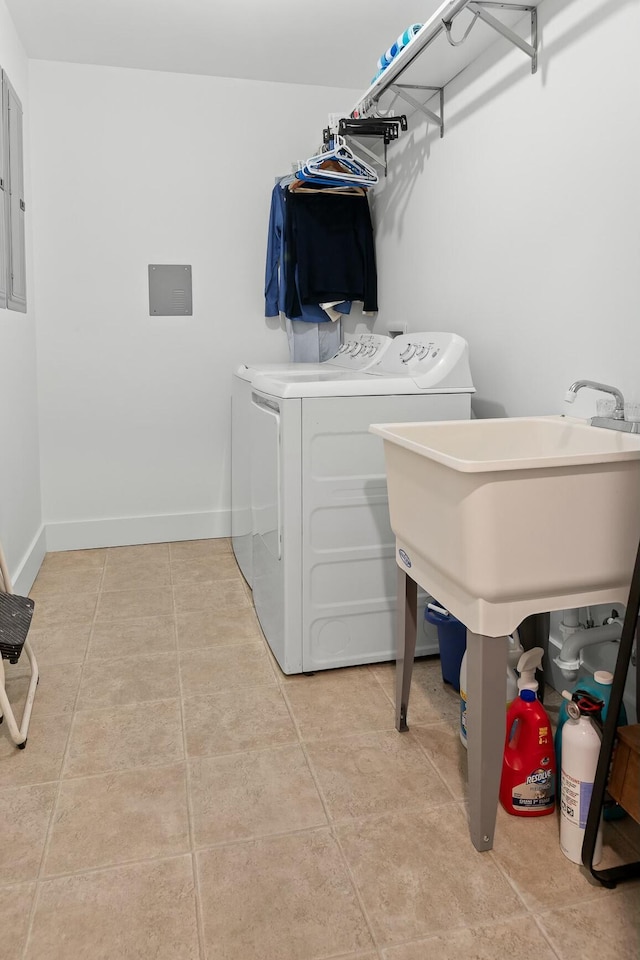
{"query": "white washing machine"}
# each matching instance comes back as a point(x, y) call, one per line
point(358, 352)
point(323, 553)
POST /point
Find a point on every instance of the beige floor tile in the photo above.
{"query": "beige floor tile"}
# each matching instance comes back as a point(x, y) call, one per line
point(432, 881)
point(15, 905)
point(41, 760)
point(275, 666)
point(205, 569)
point(133, 912)
point(134, 815)
point(253, 795)
point(134, 604)
point(24, 814)
point(220, 595)
point(246, 718)
point(516, 939)
point(219, 668)
point(270, 889)
point(66, 580)
point(137, 553)
point(374, 773)
point(337, 703)
point(369, 955)
point(64, 643)
point(194, 549)
point(56, 692)
point(57, 609)
point(15, 671)
point(132, 638)
point(431, 700)
point(208, 628)
point(550, 880)
point(112, 683)
point(136, 575)
point(605, 929)
point(136, 735)
point(67, 559)
point(441, 743)
point(282, 898)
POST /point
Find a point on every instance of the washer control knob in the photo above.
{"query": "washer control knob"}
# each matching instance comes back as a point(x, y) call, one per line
point(408, 353)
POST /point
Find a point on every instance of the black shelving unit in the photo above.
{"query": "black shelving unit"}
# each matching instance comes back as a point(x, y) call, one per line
point(628, 871)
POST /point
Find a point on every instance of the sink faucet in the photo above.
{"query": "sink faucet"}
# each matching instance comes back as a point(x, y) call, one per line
point(618, 413)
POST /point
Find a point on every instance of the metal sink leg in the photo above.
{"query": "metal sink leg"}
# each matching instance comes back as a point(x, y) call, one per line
point(486, 672)
point(406, 628)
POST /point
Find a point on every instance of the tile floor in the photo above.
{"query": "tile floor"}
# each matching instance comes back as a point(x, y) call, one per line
point(179, 798)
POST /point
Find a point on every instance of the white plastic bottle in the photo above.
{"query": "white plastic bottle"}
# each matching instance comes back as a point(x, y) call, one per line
point(513, 657)
point(580, 751)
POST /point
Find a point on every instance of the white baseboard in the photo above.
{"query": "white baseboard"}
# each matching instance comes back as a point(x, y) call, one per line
point(124, 531)
point(27, 571)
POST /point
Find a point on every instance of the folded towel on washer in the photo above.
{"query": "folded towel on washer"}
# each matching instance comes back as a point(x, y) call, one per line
point(396, 47)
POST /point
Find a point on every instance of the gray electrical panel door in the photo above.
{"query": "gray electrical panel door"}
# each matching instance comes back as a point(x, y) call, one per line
point(17, 281)
point(4, 199)
point(170, 290)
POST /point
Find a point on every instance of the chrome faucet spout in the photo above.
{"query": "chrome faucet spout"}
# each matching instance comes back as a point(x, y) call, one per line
point(618, 413)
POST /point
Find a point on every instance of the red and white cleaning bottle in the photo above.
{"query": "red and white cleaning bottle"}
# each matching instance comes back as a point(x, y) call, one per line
point(580, 752)
point(527, 786)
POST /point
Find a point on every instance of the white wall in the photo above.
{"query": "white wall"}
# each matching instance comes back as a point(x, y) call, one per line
point(20, 513)
point(131, 168)
point(519, 229)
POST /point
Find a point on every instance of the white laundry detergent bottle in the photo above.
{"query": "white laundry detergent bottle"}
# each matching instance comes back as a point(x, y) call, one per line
point(511, 690)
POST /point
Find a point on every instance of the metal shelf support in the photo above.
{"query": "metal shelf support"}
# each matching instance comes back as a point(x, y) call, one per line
point(380, 161)
point(401, 90)
point(480, 9)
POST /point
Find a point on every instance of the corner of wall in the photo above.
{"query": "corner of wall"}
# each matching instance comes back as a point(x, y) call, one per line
point(30, 564)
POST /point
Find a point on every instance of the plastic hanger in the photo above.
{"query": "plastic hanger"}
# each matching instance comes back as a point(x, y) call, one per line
point(304, 184)
point(353, 169)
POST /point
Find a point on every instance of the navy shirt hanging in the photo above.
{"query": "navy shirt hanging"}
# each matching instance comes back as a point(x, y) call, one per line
point(329, 239)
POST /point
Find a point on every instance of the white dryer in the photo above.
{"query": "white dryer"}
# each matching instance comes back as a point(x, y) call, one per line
point(323, 553)
point(358, 352)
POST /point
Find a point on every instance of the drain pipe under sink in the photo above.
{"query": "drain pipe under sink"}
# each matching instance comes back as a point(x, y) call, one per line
point(569, 657)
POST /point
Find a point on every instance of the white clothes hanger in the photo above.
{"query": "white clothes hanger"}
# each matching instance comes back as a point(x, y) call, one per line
point(356, 170)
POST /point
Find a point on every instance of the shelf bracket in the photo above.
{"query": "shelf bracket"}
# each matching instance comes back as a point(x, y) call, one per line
point(480, 9)
point(372, 156)
point(401, 90)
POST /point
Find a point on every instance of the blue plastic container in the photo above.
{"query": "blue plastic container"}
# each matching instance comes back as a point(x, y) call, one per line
point(452, 640)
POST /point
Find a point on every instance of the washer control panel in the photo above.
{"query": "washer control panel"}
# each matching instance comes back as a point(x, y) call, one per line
point(430, 359)
point(360, 351)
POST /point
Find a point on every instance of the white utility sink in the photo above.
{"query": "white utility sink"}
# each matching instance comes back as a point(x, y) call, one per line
point(506, 517)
